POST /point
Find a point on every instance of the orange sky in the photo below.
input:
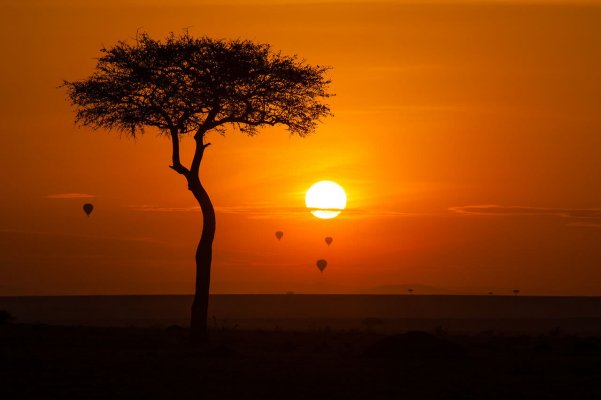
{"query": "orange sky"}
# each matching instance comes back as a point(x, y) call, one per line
point(441, 109)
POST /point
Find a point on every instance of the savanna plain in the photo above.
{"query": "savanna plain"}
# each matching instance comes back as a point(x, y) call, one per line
point(512, 354)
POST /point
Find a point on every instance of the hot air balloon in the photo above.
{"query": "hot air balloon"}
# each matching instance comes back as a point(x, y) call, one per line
point(329, 240)
point(279, 234)
point(88, 208)
point(321, 264)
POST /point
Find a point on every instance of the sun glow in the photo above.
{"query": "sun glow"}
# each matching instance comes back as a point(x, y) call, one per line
point(325, 199)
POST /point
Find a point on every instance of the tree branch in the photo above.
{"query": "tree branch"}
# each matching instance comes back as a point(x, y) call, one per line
point(177, 165)
point(208, 122)
point(198, 154)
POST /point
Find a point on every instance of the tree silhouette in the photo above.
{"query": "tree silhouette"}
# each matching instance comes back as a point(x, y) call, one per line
point(371, 322)
point(187, 85)
point(516, 292)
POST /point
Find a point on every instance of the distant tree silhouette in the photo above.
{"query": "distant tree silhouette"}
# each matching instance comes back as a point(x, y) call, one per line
point(410, 291)
point(371, 322)
point(516, 292)
point(187, 85)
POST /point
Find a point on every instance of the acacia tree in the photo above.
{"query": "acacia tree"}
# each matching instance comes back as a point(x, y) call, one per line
point(193, 86)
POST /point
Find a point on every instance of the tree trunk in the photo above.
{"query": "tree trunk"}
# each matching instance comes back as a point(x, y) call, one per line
point(204, 255)
point(204, 251)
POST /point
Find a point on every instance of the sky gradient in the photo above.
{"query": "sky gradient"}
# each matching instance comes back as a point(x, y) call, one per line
point(467, 136)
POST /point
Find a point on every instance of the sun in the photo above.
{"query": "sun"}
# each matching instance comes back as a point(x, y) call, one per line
point(325, 199)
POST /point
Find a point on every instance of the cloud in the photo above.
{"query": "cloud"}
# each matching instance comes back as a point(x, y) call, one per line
point(264, 211)
point(241, 210)
point(496, 210)
point(295, 212)
point(585, 217)
point(83, 236)
point(271, 212)
point(69, 196)
point(155, 208)
point(586, 224)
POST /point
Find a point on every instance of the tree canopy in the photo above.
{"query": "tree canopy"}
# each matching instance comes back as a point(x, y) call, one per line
point(186, 84)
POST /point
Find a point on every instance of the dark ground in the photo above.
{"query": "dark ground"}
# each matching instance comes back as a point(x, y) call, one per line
point(47, 362)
